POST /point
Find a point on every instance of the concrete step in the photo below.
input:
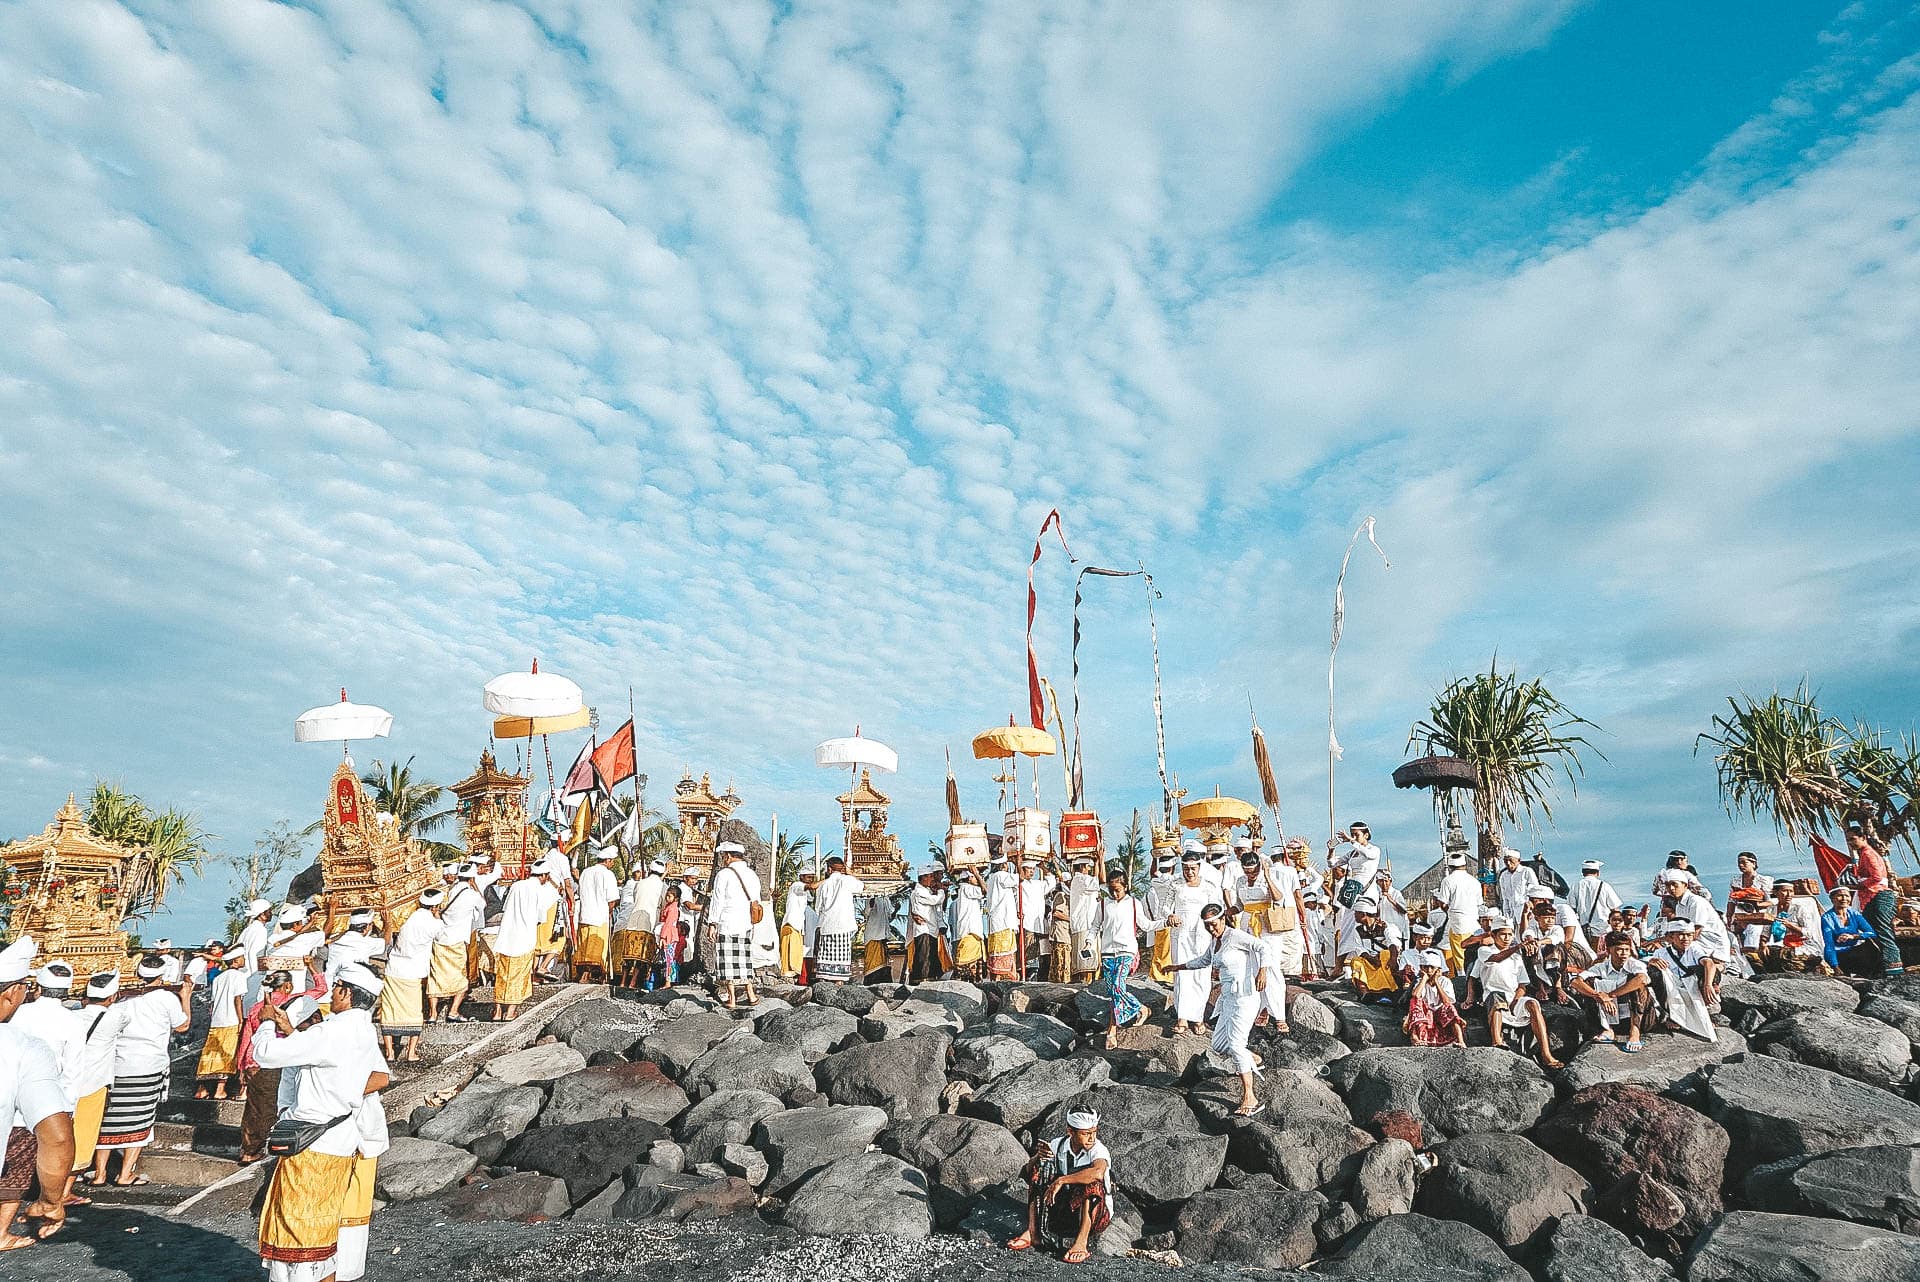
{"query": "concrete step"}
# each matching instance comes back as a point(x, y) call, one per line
point(204, 1111)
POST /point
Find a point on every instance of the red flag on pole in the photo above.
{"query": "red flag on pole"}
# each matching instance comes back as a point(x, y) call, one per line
point(614, 758)
point(1828, 862)
point(1036, 708)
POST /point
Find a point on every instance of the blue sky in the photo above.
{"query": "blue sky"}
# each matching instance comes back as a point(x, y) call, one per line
point(734, 352)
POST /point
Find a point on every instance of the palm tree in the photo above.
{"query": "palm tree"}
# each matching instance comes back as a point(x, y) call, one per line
point(787, 852)
point(174, 842)
point(1784, 759)
point(417, 806)
point(1517, 735)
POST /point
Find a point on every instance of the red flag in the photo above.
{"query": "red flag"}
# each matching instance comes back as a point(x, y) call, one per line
point(1829, 862)
point(614, 758)
point(580, 775)
point(1033, 668)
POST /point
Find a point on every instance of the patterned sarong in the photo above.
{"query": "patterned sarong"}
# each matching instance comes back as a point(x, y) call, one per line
point(1003, 955)
point(590, 947)
point(132, 1104)
point(733, 960)
point(23, 1152)
point(300, 1221)
point(633, 948)
point(833, 957)
point(1123, 1005)
point(400, 1013)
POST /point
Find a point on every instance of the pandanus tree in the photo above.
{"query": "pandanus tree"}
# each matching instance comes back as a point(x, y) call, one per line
point(1783, 759)
point(1520, 739)
point(416, 804)
point(174, 842)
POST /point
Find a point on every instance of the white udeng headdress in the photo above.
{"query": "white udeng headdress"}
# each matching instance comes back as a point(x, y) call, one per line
point(1085, 1120)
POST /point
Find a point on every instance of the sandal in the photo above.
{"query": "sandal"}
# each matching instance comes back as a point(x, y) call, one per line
point(1633, 1047)
point(74, 1199)
point(1078, 1255)
point(1603, 1039)
point(1255, 1111)
point(135, 1182)
point(1021, 1243)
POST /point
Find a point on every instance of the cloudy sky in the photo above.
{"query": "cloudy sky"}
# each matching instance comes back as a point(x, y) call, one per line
point(734, 351)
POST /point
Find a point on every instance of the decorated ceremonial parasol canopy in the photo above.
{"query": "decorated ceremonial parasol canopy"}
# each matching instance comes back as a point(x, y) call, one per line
point(855, 751)
point(1215, 811)
point(527, 727)
point(342, 721)
point(1004, 742)
point(534, 694)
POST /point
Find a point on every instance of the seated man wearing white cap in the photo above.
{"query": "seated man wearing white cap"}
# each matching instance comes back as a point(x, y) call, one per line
point(339, 1065)
point(460, 919)
point(1506, 978)
point(731, 914)
point(1593, 902)
point(636, 925)
point(402, 1012)
point(141, 1029)
point(1615, 988)
point(1067, 1181)
point(1686, 976)
point(36, 1114)
point(1374, 969)
point(529, 905)
point(599, 893)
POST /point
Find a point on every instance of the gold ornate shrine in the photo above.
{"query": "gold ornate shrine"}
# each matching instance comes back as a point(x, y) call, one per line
point(69, 890)
point(364, 861)
point(701, 814)
point(493, 817)
point(873, 853)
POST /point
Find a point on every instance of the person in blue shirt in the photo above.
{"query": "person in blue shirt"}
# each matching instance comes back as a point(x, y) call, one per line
point(1852, 947)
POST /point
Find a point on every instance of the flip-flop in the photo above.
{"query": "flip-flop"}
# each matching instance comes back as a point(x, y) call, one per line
point(1075, 1256)
point(1255, 1111)
point(74, 1199)
point(135, 1182)
point(1632, 1048)
point(1021, 1243)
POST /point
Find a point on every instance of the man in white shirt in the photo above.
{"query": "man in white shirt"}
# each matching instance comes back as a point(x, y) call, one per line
point(528, 904)
point(1616, 986)
point(636, 933)
point(1460, 895)
point(220, 1055)
point(836, 907)
point(253, 936)
point(1036, 892)
point(1358, 862)
point(1159, 896)
point(1793, 941)
point(1083, 895)
point(34, 1098)
point(1551, 919)
point(969, 923)
point(1593, 901)
point(174, 967)
point(356, 945)
point(926, 906)
point(599, 892)
point(1516, 882)
point(1503, 976)
point(402, 1011)
point(730, 922)
point(1069, 1177)
point(328, 1070)
point(793, 925)
point(1681, 900)
point(453, 948)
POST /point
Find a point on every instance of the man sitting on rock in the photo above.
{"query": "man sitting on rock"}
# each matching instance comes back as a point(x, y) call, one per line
point(1069, 1177)
point(1616, 986)
point(1505, 977)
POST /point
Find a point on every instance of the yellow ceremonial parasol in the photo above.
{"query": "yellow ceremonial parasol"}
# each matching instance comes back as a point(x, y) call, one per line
point(527, 727)
point(1216, 812)
point(1004, 742)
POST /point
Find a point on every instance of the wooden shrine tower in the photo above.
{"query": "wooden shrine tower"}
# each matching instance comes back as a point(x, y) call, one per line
point(70, 890)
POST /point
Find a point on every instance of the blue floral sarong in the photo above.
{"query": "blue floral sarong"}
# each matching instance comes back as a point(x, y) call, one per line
point(1113, 980)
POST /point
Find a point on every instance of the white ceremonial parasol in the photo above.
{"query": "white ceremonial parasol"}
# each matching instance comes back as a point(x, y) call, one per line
point(532, 694)
point(856, 751)
point(342, 721)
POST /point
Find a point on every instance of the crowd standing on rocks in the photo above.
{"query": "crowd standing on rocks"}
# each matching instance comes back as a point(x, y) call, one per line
point(1548, 1087)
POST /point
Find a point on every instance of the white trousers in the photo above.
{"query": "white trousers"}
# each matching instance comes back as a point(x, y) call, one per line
point(1233, 1025)
point(1190, 989)
point(1285, 952)
point(350, 1254)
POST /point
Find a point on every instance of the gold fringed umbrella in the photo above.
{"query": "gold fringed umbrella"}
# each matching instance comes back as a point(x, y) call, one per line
point(1216, 811)
point(527, 727)
point(1004, 742)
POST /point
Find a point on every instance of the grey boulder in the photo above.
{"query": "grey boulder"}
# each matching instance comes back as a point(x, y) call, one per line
point(815, 1031)
point(983, 1057)
point(1504, 1185)
point(801, 1141)
point(1307, 1152)
point(855, 999)
point(613, 1090)
point(904, 1077)
point(1046, 1036)
point(677, 1043)
point(884, 1023)
point(535, 1064)
point(961, 1157)
point(603, 1024)
point(1418, 1248)
point(1309, 1013)
point(414, 1168)
point(1384, 1184)
point(525, 1197)
point(1855, 1046)
point(1021, 1096)
point(1663, 1062)
point(1583, 1249)
point(1249, 1227)
point(1755, 1246)
point(487, 1106)
point(1460, 1090)
point(1749, 1003)
point(864, 1193)
point(746, 1062)
point(957, 995)
point(1774, 1108)
point(1899, 1013)
point(1878, 1185)
point(587, 1155)
point(1285, 1093)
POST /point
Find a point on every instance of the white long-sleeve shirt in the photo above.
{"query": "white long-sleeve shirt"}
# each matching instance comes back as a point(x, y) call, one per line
point(1237, 955)
point(65, 1033)
point(1359, 861)
point(1038, 889)
point(1514, 885)
point(253, 943)
point(734, 887)
point(412, 955)
point(799, 901)
point(1120, 922)
point(520, 918)
point(599, 890)
point(837, 903)
point(923, 911)
point(1003, 900)
point(335, 1058)
point(1083, 898)
point(969, 911)
point(353, 946)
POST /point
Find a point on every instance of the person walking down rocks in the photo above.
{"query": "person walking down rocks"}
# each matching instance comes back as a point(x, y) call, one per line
point(1241, 962)
point(1067, 1180)
point(1118, 921)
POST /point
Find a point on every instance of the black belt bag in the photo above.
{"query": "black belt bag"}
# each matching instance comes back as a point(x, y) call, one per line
point(290, 1135)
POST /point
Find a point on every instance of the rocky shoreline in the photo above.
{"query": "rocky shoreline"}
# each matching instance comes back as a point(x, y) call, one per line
point(824, 1118)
